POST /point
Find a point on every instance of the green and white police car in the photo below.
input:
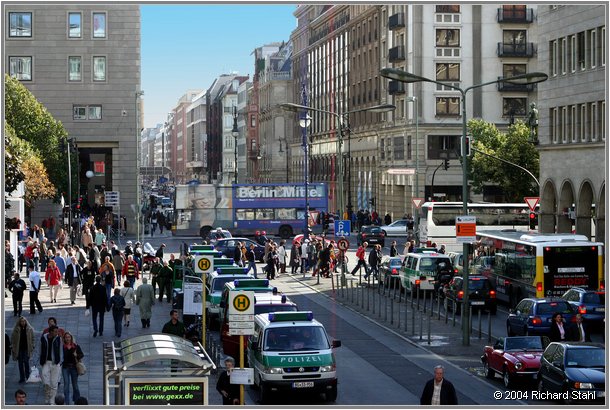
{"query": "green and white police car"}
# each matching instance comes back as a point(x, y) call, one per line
point(216, 283)
point(291, 351)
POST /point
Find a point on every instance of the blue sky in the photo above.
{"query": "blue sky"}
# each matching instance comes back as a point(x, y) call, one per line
point(188, 46)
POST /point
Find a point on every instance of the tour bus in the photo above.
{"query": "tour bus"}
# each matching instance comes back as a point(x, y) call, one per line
point(437, 220)
point(541, 265)
point(244, 209)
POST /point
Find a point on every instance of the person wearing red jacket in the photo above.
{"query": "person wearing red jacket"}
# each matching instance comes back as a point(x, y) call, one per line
point(360, 254)
point(53, 278)
point(130, 270)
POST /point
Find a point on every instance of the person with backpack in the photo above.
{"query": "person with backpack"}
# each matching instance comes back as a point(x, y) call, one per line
point(117, 305)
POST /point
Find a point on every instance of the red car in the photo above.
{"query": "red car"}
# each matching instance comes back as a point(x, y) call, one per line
point(513, 357)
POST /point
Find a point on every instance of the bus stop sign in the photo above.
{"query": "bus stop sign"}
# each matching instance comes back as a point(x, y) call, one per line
point(204, 264)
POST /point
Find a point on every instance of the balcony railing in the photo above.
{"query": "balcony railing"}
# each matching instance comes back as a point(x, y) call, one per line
point(515, 50)
point(396, 87)
point(515, 15)
point(396, 21)
point(515, 87)
point(396, 54)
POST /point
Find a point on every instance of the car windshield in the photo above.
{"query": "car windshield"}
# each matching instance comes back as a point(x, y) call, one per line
point(478, 284)
point(429, 265)
point(258, 309)
point(523, 343)
point(594, 298)
point(552, 307)
point(283, 339)
point(585, 357)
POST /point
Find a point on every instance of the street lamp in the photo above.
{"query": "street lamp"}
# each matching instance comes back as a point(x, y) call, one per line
point(138, 207)
point(413, 99)
point(235, 133)
point(406, 77)
point(304, 123)
point(342, 121)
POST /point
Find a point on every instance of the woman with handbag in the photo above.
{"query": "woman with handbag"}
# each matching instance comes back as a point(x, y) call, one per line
point(73, 354)
point(130, 298)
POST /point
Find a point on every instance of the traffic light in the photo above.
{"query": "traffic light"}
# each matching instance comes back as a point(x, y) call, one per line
point(446, 164)
point(533, 220)
point(468, 150)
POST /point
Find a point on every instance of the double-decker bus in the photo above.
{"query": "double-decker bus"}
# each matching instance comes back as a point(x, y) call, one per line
point(437, 220)
point(244, 209)
point(541, 265)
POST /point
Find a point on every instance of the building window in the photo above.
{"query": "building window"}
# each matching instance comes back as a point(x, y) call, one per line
point(602, 120)
point(447, 37)
point(553, 57)
point(514, 41)
point(20, 24)
point(443, 143)
point(99, 68)
point(580, 39)
point(572, 53)
point(593, 49)
point(252, 121)
point(75, 25)
point(21, 68)
point(99, 25)
point(602, 46)
point(564, 121)
point(451, 8)
point(94, 112)
point(514, 107)
point(409, 147)
point(513, 70)
point(583, 122)
point(553, 124)
point(399, 148)
point(570, 119)
point(593, 121)
point(514, 11)
point(563, 50)
point(87, 112)
point(75, 68)
point(448, 72)
point(447, 106)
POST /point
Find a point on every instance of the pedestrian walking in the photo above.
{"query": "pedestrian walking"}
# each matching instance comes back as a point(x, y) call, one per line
point(145, 299)
point(72, 355)
point(360, 254)
point(118, 259)
point(22, 347)
point(17, 287)
point(559, 331)
point(160, 252)
point(166, 277)
point(35, 284)
point(282, 255)
point(51, 358)
point(73, 271)
point(304, 265)
point(86, 238)
point(174, 326)
point(100, 238)
point(53, 278)
point(98, 302)
point(295, 257)
point(251, 256)
point(129, 295)
point(88, 278)
point(439, 391)
point(51, 321)
point(130, 270)
point(155, 268)
point(374, 261)
point(237, 252)
point(393, 250)
point(229, 392)
point(117, 305)
point(108, 273)
point(270, 268)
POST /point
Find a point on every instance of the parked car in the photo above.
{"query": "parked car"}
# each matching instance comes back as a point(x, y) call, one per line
point(516, 357)
point(217, 234)
point(396, 228)
point(589, 303)
point(575, 371)
point(532, 316)
point(371, 234)
point(482, 293)
point(227, 247)
point(389, 271)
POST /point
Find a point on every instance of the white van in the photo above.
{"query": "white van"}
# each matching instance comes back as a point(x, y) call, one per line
point(420, 268)
point(291, 351)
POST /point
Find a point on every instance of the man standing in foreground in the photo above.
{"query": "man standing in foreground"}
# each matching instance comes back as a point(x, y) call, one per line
point(174, 326)
point(439, 391)
point(51, 358)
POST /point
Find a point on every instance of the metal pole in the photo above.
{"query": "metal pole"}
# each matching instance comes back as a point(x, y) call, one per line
point(429, 324)
point(392, 311)
point(466, 248)
point(235, 135)
point(340, 160)
point(480, 332)
point(406, 310)
point(412, 320)
point(488, 327)
point(138, 212)
point(70, 234)
point(421, 326)
point(368, 293)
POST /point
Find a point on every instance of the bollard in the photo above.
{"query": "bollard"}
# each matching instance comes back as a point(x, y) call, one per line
point(421, 326)
point(425, 300)
point(488, 327)
point(438, 306)
point(453, 312)
point(392, 311)
point(470, 320)
point(406, 310)
point(417, 296)
point(446, 306)
point(429, 324)
point(412, 322)
point(368, 294)
point(480, 332)
point(332, 282)
point(374, 301)
point(385, 307)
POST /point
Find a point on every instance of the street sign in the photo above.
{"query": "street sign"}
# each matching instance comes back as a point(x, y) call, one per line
point(111, 198)
point(401, 171)
point(343, 228)
point(531, 202)
point(465, 229)
point(241, 332)
point(417, 202)
point(242, 375)
point(241, 302)
point(241, 318)
point(204, 264)
point(343, 244)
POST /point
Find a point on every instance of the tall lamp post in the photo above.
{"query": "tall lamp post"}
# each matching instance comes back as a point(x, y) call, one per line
point(304, 123)
point(413, 99)
point(235, 133)
point(341, 122)
point(138, 206)
point(406, 77)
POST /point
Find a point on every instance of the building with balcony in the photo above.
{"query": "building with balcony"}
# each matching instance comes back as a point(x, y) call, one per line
point(572, 119)
point(196, 113)
point(180, 142)
point(72, 57)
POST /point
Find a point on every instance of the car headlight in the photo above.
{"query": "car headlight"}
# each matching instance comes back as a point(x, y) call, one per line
point(518, 365)
point(274, 370)
point(327, 368)
point(583, 385)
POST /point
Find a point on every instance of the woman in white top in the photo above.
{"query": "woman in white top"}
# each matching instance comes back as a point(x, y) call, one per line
point(130, 297)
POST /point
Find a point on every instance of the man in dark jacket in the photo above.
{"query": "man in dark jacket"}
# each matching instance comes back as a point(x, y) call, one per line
point(166, 279)
point(98, 302)
point(17, 287)
point(73, 278)
point(51, 358)
point(159, 253)
point(228, 391)
point(439, 391)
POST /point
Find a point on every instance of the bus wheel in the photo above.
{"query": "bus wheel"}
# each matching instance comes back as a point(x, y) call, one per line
point(285, 232)
point(204, 232)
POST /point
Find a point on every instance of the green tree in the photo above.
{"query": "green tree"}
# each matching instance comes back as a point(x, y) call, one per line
point(13, 174)
point(513, 146)
point(33, 124)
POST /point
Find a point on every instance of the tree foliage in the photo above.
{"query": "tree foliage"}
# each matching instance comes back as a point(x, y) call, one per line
point(13, 174)
point(33, 124)
point(513, 146)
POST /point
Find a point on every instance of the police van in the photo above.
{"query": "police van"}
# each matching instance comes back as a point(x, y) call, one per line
point(420, 269)
point(291, 351)
point(216, 283)
point(255, 285)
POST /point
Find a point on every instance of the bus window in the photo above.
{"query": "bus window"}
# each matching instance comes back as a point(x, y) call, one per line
point(286, 213)
point(265, 214)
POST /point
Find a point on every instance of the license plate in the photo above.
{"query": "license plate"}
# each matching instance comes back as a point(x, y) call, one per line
point(477, 303)
point(600, 309)
point(302, 385)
